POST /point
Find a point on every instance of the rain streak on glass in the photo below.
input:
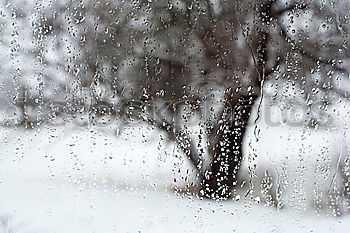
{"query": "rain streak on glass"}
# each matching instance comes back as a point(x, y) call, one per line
point(174, 116)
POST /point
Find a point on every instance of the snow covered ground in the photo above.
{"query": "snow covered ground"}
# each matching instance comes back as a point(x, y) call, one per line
point(33, 206)
point(55, 179)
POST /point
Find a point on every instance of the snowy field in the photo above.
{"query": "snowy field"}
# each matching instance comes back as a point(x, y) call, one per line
point(39, 206)
point(63, 180)
point(71, 179)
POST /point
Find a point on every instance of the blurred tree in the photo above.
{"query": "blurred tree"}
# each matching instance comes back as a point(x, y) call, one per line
point(167, 57)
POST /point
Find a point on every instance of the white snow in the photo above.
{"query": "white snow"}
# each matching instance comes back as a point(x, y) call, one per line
point(56, 179)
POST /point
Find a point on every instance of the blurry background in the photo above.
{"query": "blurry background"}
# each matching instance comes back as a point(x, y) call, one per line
point(167, 116)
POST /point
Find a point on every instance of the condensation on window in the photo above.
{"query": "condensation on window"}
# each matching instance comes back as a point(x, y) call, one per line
point(174, 116)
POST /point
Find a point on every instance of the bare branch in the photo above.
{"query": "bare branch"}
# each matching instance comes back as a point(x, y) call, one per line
point(294, 6)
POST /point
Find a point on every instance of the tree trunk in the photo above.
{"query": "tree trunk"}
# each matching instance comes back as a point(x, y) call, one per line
point(227, 154)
